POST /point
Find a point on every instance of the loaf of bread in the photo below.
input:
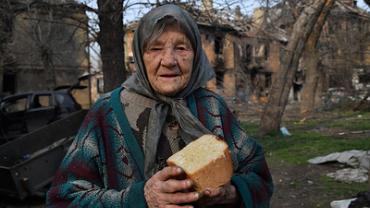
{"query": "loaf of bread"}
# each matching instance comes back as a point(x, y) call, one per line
point(206, 161)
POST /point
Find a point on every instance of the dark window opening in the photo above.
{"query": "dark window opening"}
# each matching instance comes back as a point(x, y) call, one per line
point(268, 80)
point(335, 81)
point(9, 83)
point(218, 45)
point(266, 51)
point(365, 78)
point(248, 53)
point(208, 37)
point(220, 79)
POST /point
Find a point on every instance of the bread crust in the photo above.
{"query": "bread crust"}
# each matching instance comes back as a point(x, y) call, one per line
point(216, 173)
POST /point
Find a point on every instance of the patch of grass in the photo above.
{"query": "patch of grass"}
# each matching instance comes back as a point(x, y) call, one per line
point(307, 124)
point(339, 189)
point(352, 124)
point(250, 128)
point(348, 120)
point(311, 139)
point(304, 145)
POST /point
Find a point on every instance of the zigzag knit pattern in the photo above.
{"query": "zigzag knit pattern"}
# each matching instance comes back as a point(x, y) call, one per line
point(99, 169)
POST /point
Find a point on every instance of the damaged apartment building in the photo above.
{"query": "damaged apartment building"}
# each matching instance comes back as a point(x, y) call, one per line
point(226, 44)
point(246, 52)
point(344, 50)
point(43, 45)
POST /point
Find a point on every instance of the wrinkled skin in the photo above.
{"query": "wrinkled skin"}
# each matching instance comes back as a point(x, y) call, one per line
point(168, 61)
point(163, 191)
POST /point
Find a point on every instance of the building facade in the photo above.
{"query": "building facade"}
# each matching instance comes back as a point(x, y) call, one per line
point(46, 46)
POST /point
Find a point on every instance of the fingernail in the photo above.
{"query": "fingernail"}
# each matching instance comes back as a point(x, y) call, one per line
point(188, 183)
point(196, 195)
point(207, 191)
point(178, 170)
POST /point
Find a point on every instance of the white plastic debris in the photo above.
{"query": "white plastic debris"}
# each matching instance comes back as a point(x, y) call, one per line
point(341, 203)
point(349, 175)
point(359, 161)
point(365, 162)
point(351, 157)
point(285, 131)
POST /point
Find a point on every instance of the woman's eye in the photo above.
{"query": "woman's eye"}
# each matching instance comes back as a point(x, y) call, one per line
point(155, 48)
point(181, 48)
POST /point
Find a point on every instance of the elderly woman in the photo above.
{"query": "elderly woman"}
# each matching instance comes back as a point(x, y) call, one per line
point(118, 158)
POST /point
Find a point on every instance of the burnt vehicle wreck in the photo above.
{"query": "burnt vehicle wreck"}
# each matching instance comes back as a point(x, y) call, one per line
point(26, 112)
point(36, 130)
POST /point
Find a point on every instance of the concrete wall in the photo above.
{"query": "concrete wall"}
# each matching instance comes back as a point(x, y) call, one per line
point(45, 43)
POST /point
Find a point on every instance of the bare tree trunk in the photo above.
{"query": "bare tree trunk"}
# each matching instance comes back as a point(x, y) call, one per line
point(310, 63)
point(111, 42)
point(283, 81)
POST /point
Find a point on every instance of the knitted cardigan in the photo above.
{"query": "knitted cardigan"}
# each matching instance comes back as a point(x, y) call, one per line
point(104, 165)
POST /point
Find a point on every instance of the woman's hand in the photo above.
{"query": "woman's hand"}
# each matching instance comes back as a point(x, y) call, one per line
point(161, 190)
point(226, 194)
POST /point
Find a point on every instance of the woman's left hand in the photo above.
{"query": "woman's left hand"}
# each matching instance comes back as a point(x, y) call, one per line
point(226, 194)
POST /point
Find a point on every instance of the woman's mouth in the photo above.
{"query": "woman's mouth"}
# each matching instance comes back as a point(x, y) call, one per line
point(169, 75)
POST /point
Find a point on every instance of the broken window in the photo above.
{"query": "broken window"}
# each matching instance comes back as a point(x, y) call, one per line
point(364, 78)
point(266, 51)
point(248, 53)
point(218, 45)
point(9, 82)
point(268, 80)
point(220, 79)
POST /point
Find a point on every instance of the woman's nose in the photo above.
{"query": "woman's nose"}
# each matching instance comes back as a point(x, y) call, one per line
point(169, 58)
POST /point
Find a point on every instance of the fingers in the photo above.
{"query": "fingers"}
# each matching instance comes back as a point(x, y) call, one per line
point(209, 192)
point(162, 190)
point(177, 206)
point(168, 172)
point(181, 198)
point(173, 185)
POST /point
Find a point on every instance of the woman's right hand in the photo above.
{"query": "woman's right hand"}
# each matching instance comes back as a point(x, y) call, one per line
point(163, 191)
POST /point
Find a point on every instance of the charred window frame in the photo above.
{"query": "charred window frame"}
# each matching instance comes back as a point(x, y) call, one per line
point(218, 45)
point(364, 78)
point(266, 51)
point(9, 82)
point(220, 79)
point(248, 53)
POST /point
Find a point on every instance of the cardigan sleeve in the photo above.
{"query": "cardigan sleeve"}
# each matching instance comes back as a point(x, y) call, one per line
point(251, 177)
point(253, 180)
point(84, 178)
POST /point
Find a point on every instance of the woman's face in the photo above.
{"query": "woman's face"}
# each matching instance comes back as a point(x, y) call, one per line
point(168, 61)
